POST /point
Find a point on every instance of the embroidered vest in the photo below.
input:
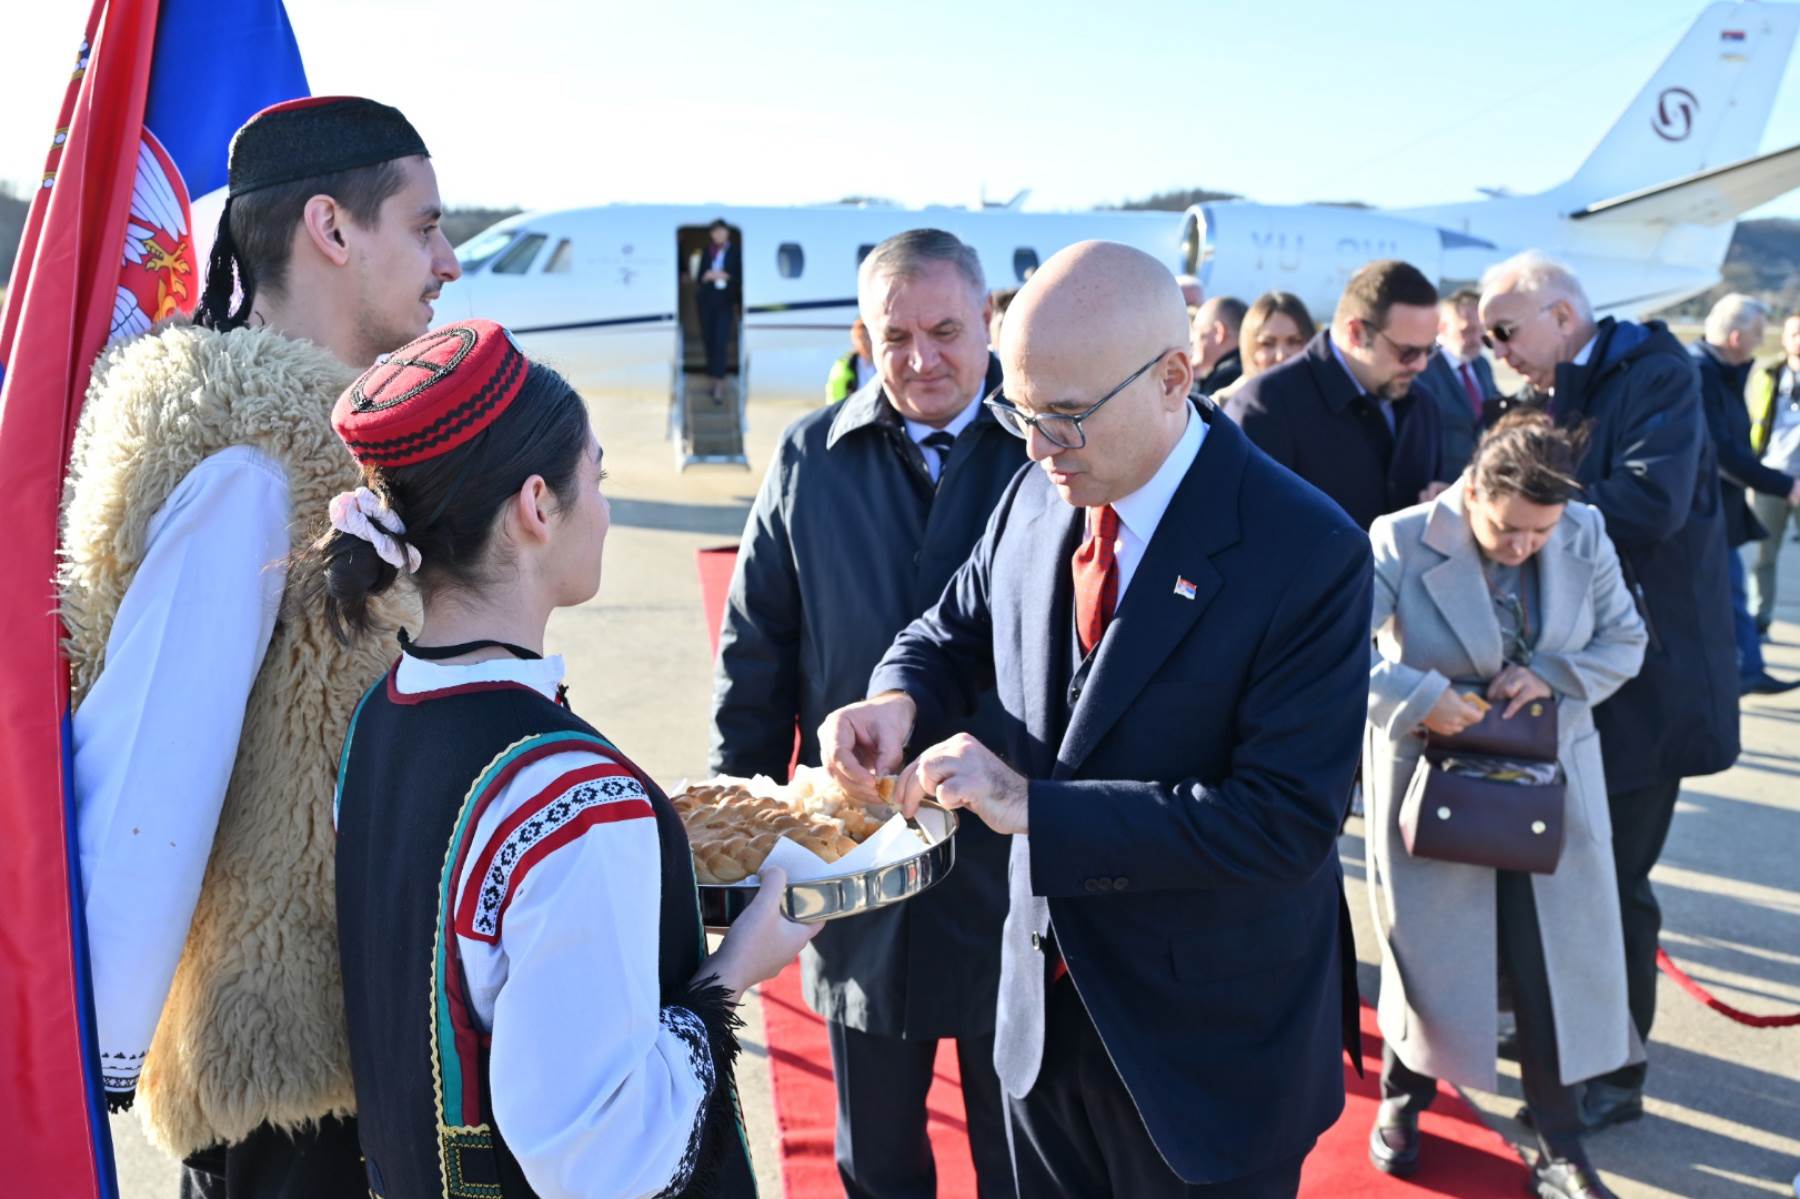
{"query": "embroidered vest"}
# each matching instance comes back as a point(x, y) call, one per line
point(417, 773)
point(253, 1028)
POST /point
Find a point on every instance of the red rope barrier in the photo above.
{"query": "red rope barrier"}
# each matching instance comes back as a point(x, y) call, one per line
point(1719, 1005)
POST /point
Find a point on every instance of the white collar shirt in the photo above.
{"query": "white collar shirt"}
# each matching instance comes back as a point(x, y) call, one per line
point(1142, 510)
point(919, 431)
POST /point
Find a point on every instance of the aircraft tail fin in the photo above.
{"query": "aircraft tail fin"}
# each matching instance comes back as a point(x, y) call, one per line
point(1706, 106)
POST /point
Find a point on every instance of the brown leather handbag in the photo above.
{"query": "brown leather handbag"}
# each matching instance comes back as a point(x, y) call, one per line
point(1491, 796)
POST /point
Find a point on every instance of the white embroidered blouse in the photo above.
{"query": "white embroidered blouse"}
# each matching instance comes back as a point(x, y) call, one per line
point(598, 1089)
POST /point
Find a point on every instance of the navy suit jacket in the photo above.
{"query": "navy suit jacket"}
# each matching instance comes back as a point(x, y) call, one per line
point(1185, 800)
point(1307, 415)
point(1460, 423)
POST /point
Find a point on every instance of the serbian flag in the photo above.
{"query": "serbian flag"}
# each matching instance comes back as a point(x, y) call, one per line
point(138, 154)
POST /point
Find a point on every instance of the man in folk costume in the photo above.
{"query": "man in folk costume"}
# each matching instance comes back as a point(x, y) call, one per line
point(205, 728)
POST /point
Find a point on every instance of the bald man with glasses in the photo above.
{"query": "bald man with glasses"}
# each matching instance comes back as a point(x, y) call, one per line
point(1345, 415)
point(1177, 630)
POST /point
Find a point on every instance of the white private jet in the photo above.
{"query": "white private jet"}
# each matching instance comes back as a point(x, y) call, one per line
point(606, 293)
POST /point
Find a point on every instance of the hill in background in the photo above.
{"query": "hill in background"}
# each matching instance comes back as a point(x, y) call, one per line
point(1764, 258)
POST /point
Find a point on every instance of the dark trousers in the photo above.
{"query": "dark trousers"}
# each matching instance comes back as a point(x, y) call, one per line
point(1078, 1135)
point(1640, 826)
point(1553, 1106)
point(716, 311)
point(883, 1151)
point(321, 1161)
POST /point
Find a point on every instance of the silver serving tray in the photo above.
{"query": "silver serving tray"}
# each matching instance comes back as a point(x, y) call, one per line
point(844, 895)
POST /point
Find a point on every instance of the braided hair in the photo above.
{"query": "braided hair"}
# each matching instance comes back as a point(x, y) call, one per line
point(345, 147)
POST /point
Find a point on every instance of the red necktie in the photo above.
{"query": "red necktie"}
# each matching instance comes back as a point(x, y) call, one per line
point(1472, 388)
point(1096, 577)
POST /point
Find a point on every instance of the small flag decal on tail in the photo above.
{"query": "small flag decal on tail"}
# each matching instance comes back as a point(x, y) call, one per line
point(1183, 588)
point(1732, 35)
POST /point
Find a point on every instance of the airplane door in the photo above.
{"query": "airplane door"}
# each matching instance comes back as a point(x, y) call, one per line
point(709, 383)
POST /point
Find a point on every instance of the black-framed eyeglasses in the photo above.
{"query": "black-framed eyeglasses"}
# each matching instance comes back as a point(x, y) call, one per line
point(1063, 431)
point(1405, 353)
point(1501, 334)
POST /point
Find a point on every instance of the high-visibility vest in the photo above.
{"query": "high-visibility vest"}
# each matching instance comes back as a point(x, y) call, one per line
point(1760, 397)
point(842, 380)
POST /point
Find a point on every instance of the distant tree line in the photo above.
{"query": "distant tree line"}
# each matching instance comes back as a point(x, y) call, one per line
point(1763, 261)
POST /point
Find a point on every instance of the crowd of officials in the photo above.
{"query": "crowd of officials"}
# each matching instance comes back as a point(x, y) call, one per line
point(1574, 536)
point(397, 919)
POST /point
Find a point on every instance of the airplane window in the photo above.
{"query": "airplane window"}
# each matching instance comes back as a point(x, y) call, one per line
point(790, 259)
point(518, 259)
point(1025, 261)
point(562, 259)
point(483, 246)
point(863, 252)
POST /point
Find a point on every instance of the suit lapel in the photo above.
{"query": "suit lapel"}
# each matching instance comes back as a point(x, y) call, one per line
point(1455, 585)
point(1153, 617)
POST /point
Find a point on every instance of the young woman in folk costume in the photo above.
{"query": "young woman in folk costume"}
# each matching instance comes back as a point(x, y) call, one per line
point(531, 1008)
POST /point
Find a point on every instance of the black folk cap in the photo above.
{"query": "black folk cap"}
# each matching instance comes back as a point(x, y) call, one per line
point(317, 135)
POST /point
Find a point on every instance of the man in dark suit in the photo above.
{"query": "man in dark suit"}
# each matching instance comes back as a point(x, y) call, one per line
point(719, 293)
point(1178, 632)
point(1650, 470)
point(1459, 378)
point(1344, 415)
point(867, 510)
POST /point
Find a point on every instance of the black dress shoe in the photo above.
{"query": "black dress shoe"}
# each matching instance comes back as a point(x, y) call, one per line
point(1394, 1142)
point(1765, 684)
point(1603, 1104)
point(1560, 1178)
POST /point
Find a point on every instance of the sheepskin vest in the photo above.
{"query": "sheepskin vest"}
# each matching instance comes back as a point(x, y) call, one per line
point(253, 1028)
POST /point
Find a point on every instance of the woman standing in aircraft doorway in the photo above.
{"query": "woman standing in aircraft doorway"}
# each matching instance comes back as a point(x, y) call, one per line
point(718, 290)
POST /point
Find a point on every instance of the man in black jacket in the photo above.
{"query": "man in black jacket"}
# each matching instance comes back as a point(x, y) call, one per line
point(1213, 340)
point(1650, 470)
point(1734, 328)
point(868, 509)
point(1344, 415)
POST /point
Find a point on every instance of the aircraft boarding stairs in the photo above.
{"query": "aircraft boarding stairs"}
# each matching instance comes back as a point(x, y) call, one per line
point(707, 432)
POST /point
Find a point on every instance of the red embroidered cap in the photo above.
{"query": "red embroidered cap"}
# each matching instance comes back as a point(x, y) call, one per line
point(431, 395)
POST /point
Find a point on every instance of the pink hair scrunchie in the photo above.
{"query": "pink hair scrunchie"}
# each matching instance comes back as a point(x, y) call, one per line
point(361, 513)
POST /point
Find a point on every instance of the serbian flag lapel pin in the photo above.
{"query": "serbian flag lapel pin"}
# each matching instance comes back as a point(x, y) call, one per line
point(1183, 588)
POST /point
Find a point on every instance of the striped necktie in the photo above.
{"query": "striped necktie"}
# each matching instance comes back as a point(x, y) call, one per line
point(939, 442)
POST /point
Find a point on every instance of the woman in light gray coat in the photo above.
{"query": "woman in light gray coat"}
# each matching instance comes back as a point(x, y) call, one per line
point(1501, 587)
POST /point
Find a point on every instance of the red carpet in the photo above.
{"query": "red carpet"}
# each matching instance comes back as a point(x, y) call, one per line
point(806, 1102)
point(1461, 1157)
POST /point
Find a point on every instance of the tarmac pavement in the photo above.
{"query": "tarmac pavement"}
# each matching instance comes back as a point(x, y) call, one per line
point(1723, 1110)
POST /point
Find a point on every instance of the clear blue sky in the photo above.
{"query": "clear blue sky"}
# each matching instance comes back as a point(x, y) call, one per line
point(547, 102)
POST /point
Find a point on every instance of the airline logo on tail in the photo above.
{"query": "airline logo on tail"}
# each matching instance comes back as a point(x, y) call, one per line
point(1675, 112)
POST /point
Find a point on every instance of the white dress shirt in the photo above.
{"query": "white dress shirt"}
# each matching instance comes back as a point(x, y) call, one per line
point(919, 431)
point(1142, 510)
point(156, 736)
point(594, 1084)
point(1581, 355)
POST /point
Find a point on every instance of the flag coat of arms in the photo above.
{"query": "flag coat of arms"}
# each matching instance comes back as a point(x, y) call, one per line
point(113, 242)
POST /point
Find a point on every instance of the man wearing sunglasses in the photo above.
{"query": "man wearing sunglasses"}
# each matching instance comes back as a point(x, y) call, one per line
point(1651, 470)
point(1178, 630)
point(1344, 415)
